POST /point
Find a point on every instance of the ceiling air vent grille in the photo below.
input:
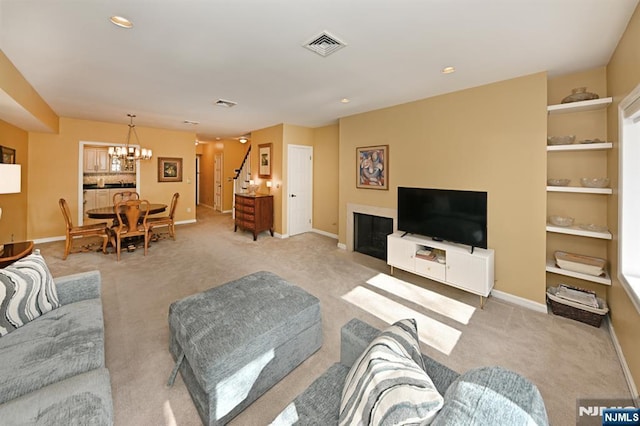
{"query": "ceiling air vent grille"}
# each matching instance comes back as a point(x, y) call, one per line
point(225, 104)
point(324, 44)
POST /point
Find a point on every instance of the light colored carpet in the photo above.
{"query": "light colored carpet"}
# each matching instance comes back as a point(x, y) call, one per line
point(565, 358)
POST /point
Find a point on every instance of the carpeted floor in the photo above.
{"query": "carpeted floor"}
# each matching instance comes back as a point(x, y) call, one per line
point(565, 358)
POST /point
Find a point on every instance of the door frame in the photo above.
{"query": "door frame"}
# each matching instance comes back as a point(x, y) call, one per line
point(81, 146)
point(218, 181)
point(289, 178)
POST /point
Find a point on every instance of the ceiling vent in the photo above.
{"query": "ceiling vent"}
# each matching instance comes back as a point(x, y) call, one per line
point(324, 44)
point(225, 104)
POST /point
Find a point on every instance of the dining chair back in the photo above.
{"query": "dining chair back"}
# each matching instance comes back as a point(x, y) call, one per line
point(167, 220)
point(131, 221)
point(124, 196)
point(91, 230)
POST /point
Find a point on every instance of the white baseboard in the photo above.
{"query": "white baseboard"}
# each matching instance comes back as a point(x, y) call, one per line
point(49, 239)
point(183, 222)
point(623, 362)
point(325, 233)
point(342, 246)
point(227, 211)
point(520, 301)
point(281, 236)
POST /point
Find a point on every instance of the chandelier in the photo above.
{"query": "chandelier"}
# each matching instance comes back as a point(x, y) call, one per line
point(128, 152)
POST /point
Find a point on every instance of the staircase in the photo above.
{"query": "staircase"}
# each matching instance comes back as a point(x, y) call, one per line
point(241, 179)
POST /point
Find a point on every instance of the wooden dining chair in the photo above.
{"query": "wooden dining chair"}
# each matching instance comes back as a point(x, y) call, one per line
point(166, 220)
point(131, 218)
point(92, 230)
point(124, 196)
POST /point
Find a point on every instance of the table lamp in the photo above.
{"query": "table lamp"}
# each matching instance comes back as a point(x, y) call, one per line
point(9, 180)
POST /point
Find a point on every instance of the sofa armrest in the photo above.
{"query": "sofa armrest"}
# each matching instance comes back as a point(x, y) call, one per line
point(77, 287)
point(355, 336)
point(441, 375)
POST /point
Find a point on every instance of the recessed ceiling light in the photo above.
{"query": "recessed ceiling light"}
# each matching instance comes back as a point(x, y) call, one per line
point(121, 21)
point(448, 70)
point(345, 100)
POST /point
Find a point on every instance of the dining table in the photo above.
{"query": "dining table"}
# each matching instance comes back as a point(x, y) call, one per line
point(109, 213)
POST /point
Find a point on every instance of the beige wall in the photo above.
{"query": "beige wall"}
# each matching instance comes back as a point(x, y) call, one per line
point(19, 89)
point(53, 170)
point(207, 154)
point(326, 143)
point(232, 153)
point(13, 223)
point(275, 136)
point(489, 138)
point(623, 75)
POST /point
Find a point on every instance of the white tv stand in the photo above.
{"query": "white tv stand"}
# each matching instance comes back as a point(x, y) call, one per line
point(473, 272)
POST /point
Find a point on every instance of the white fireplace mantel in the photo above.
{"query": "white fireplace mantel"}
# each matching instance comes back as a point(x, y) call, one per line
point(370, 210)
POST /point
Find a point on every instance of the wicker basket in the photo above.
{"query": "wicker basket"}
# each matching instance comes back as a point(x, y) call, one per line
point(568, 309)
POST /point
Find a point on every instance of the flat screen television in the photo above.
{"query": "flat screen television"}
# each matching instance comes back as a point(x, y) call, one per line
point(444, 214)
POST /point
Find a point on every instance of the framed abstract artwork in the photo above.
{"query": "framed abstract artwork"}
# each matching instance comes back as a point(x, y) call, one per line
point(372, 167)
point(169, 169)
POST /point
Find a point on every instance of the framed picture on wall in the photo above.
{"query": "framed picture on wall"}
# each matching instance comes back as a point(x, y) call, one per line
point(372, 167)
point(169, 169)
point(8, 155)
point(264, 160)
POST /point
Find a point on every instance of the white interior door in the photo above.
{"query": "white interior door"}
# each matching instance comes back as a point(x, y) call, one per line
point(217, 183)
point(300, 188)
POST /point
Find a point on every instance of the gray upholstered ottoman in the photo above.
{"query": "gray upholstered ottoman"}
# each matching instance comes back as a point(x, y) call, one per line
point(240, 339)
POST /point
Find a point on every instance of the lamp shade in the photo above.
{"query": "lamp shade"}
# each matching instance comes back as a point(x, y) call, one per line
point(9, 178)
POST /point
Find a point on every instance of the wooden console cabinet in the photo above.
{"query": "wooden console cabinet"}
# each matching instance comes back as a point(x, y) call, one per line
point(254, 213)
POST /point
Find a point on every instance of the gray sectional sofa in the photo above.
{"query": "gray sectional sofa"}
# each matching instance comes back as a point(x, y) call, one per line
point(484, 396)
point(52, 368)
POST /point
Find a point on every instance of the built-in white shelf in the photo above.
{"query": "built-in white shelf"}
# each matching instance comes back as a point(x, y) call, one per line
point(576, 230)
point(581, 147)
point(603, 279)
point(591, 105)
point(579, 189)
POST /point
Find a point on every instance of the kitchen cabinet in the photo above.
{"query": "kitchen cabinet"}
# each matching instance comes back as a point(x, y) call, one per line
point(96, 160)
point(588, 206)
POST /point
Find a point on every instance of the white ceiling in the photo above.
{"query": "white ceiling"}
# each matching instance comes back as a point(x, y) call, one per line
point(183, 55)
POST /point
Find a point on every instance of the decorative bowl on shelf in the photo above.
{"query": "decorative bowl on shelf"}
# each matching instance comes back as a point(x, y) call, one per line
point(561, 220)
point(561, 140)
point(558, 182)
point(597, 182)
point(593, 227)
point(580, 263)
point(580, 94)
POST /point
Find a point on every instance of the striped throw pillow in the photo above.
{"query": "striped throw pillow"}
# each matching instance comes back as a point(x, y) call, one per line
point(27, 291)
point(387, 385)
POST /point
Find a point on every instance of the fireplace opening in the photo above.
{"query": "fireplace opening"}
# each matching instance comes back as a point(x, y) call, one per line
point(370, 234)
